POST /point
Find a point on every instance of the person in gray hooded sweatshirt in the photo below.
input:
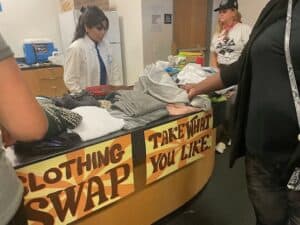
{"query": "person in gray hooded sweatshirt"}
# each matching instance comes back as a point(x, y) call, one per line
point(21, 118)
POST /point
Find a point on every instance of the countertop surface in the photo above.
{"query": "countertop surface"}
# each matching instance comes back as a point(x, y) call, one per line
point(23, 66)
point(19, 159)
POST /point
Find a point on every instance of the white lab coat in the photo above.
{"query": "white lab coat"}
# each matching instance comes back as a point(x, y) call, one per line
point(82, 68)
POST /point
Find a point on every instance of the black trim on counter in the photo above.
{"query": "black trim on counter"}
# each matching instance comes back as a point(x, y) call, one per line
point(20, 160)
point(40, 66)
point(23, 66)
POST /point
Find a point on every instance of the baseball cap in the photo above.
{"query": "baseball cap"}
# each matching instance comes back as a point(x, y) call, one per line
point(227, 4)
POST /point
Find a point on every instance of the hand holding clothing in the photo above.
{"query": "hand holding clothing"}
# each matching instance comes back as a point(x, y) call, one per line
point(209, 84)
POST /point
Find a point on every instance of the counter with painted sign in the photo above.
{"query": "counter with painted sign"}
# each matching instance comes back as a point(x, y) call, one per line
point(137, 177)
point(171, 146)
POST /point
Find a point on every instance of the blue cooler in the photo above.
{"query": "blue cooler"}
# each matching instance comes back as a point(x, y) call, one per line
point(37, 50)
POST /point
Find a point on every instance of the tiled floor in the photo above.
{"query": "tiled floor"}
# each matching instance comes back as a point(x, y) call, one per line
point(224, 200)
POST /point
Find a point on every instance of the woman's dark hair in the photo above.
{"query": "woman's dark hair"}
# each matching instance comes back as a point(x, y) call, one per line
point(91, 16)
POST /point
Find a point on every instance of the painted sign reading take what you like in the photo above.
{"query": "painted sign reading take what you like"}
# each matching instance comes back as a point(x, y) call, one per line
point(174, 145)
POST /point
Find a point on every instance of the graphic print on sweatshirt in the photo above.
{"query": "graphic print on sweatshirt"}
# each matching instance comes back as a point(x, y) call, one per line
point(228, 47)
point(225, 45)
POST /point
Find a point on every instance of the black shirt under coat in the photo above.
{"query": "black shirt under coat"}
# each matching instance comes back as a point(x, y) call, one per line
point(265, 120)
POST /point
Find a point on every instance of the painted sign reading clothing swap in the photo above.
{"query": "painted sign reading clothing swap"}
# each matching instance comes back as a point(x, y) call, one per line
point(177, 144)
point(63, 189)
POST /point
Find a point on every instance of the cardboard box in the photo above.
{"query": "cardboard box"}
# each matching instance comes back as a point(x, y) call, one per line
point(67, 5)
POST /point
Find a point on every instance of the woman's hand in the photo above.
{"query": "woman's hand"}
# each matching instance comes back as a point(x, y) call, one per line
point(192, 89)
point(211, 83)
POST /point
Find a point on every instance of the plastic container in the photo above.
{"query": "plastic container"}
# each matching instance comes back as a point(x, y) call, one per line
point(37, 50)
point(200, 60)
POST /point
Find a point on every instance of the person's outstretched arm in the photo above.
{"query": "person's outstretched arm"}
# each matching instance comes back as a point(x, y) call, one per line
point(226, 77)
point(20, 114)
point(209, 84)
point(213, 60)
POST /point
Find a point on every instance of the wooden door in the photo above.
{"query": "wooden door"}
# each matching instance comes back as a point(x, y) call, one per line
point(191, 24)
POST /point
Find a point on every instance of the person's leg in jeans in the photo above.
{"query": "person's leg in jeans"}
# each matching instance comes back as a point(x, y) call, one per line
point(294, 207)
point(268, 196)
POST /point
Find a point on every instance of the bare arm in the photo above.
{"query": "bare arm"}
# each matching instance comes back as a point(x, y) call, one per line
point(211, 83)
point(213, 60)
point(20, 114)
point(226, 77)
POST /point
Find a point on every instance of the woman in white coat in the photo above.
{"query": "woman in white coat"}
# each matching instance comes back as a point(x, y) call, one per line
point(89, 60)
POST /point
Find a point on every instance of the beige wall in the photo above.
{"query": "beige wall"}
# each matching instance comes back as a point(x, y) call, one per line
point(157, 38)
point(29, 19)
point(130, 13)
point(143, 42)
point(250, 10)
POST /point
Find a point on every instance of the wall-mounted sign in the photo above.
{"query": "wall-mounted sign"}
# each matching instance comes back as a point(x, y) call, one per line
point(156, 25)
point(156, 19)
point(174, 145)
point(63, 189)
point(168, 18)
